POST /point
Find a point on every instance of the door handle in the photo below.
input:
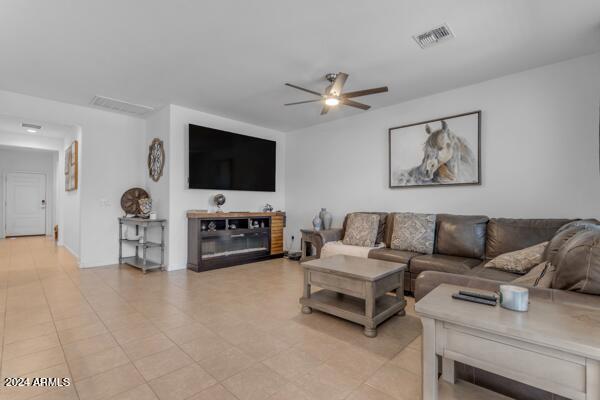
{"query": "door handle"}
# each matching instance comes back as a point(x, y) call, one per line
point(43, 204)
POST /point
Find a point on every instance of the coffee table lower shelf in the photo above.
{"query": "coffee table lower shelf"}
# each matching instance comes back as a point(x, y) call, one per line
point(352, 308)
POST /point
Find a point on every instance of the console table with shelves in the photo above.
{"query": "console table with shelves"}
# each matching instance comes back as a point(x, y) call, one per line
point(142, 244)
point(225, 239)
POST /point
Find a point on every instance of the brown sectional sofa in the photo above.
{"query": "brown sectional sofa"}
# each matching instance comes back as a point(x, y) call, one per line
point(463, 244)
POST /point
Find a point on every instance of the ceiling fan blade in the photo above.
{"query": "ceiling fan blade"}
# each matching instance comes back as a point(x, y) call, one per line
point(365, 92)
point(354, 104)
point(302, 102)
point(324, 110)
point(304, 90)
point(338, 84)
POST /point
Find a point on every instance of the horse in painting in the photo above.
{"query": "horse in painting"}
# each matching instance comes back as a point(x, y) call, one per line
point(447, 158)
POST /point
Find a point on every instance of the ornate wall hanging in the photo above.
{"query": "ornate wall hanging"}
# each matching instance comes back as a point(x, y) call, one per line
point(156, 159)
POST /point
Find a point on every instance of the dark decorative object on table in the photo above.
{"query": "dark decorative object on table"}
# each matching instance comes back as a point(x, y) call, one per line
point(439, 152)
point(130, 201)
point(219, 200)
point(268, 208)
point(156, 159)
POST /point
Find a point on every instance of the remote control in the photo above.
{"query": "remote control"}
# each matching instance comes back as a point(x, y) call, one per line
point(484, 296)
point(474, 299)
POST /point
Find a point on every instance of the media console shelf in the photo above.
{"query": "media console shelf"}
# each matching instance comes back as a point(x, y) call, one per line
point(219, 240)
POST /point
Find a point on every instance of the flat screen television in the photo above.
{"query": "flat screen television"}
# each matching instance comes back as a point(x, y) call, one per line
point(229, 161)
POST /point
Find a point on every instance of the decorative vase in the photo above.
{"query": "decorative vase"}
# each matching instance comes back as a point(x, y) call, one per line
point(326, 218)
point(316, 223)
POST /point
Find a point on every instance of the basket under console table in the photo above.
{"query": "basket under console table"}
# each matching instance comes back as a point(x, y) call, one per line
point(225, 239)
point(142, 245)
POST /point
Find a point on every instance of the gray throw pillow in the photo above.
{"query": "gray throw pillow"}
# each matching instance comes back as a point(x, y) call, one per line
point(361, 230)
point(413, 232)
point(520, 261)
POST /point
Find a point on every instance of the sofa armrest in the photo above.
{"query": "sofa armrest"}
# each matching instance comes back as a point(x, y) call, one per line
point(329, 235)
point(429, 280)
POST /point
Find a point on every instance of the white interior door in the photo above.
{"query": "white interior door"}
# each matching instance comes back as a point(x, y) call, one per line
point(25, 205)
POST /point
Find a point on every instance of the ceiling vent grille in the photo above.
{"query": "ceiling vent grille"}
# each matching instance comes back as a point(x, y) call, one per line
point(31, 126)
point(433, 36)
point(121, 106)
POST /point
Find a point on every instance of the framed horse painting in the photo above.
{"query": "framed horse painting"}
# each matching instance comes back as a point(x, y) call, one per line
point(439, 152)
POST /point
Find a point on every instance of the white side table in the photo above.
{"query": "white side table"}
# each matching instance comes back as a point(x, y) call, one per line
point(555, 347)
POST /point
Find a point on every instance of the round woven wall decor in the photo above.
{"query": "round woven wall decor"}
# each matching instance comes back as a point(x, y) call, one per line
point(130, 200)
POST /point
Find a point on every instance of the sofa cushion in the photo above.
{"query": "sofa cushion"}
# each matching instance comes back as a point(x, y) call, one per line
point(361, 230)
point(442, 263)
point(578, 263)
point(565, 233)
point(413, 232)
point(399, 256)
point(492, 273)
point(519, 261)
point(505, 235)
point(461, 235)
point(380, 229)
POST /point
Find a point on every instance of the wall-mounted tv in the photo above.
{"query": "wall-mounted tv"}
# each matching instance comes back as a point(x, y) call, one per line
point(229, 161)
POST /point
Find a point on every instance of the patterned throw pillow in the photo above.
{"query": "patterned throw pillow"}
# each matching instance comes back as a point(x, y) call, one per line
point(361, 230)
point(540, 276)
point(413, 232)
point(520, 261)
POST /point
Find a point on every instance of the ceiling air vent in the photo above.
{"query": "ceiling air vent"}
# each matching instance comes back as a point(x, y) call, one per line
point(434, 36)
point(120, 106)
point(31, 126)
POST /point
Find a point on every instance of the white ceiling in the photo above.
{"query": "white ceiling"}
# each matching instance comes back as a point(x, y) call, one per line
point(232, 57)
point(13, 125)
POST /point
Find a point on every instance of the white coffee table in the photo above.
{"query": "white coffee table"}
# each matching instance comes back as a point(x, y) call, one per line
point(555, 347)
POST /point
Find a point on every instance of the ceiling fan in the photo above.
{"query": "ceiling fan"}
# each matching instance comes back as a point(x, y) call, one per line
point(333, 95)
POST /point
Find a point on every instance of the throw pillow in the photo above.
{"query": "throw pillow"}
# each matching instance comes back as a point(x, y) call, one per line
point(540, 276)
point(520, 261)
point(361, 230)
point(413, 232)
point(578, 263)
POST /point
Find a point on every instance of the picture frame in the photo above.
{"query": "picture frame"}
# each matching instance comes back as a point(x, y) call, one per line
point(438, 152)
point(72, 167)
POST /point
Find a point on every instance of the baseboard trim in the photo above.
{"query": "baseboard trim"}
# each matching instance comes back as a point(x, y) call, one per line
point(71, 251)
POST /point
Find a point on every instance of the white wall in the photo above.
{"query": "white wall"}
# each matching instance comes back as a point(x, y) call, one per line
point(70, 202)
point(539, 152)
point(36, 161)
point(158, 126)
point(111, 161)
point(182, 199)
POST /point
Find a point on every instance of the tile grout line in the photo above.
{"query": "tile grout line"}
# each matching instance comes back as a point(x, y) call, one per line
point(60, 267)
point(113, 337)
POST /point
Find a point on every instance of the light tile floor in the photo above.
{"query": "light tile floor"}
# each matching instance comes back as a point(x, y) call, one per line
point(230, 334)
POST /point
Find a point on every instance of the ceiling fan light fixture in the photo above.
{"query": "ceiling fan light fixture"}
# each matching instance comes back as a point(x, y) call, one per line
point(332, 101)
